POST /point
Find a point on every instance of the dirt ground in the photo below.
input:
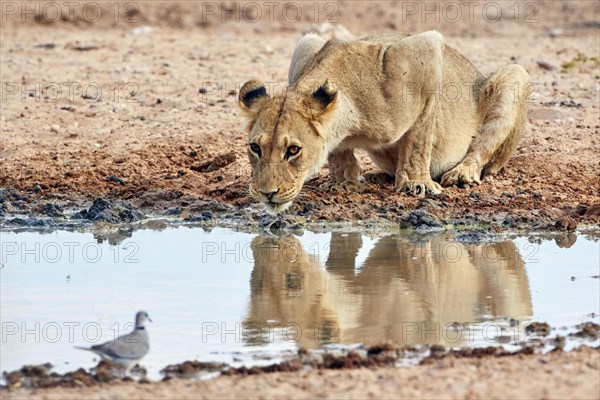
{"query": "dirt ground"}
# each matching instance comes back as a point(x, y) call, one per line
point(557, 375)
point(146, 111)
point(140, 105)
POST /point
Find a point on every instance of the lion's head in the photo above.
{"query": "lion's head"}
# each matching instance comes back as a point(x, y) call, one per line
point(287, 139)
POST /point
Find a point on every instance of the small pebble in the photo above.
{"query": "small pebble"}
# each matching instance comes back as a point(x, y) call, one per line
point(546, 65)
point(556, 32)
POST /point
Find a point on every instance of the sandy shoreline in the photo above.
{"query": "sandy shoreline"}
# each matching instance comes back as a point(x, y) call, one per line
point(557, 375)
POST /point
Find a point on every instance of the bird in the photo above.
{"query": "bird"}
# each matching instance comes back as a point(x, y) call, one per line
point(126, 350)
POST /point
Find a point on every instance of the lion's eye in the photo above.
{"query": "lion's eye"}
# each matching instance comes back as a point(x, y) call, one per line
point(292, 151)
point(255, 148)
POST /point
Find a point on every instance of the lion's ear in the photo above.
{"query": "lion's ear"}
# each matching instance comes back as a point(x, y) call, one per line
point(252, 95)
point(324, 98)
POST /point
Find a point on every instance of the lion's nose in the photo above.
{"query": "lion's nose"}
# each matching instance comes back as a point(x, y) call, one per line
point(270, 195)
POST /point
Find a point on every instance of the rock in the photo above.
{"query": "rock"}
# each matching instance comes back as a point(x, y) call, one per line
point(218, 162)
point(12, 198)
point(554, 32)
point(31, 222)
point(173, 211)
point(475, 235)
point(143, 30)
point(52, 210)
point(426, 202)
point(202, 217)
point(570, 103)
point(421, 220)
point(566, 223)
point(116, 179)
point(83, 48)
point(545, 65)
point(54, 128)
point(192, 369)
point(114, 212)
point(307, 209)
point(273, 223)
point(588, 330)
point(11, 194)
point(592, 211)
point(540, 328)
point(47, 46)
point(37, 189)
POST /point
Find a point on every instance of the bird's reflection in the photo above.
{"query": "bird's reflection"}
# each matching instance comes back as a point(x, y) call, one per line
point(406, 291)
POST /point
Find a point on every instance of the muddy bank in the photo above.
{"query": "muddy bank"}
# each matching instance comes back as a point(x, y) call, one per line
point(442, 374)
point(344, 357)
point(337, 357)
point(20, 210)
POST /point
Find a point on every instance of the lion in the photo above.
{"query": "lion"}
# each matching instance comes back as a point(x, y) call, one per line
point(423, 113)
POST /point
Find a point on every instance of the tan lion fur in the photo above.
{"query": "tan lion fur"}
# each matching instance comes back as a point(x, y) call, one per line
point(422, 111)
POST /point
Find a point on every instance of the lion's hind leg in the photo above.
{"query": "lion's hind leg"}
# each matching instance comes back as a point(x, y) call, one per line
point(503, 104)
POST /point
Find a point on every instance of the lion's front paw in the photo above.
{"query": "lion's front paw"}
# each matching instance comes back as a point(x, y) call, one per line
point(464, 174)
point(418, 188)
point(343, 186)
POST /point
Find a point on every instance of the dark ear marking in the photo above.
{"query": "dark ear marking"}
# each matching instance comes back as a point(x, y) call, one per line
point(325, 95)
point(251, 92)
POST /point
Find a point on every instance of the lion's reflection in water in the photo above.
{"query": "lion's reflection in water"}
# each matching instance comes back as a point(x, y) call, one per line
point(406, 291)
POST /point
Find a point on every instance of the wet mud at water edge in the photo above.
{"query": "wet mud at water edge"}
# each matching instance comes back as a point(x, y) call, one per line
point(253, 299)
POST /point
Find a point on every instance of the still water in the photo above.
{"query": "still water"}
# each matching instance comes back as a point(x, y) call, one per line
point(246, 298)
